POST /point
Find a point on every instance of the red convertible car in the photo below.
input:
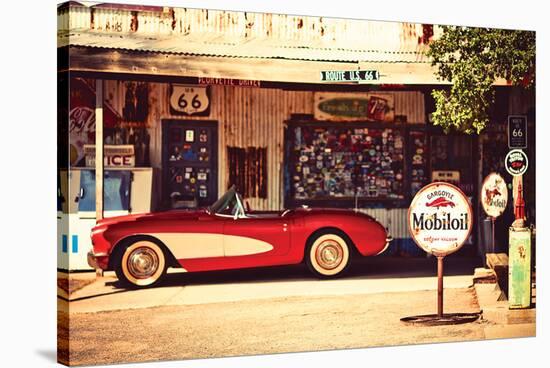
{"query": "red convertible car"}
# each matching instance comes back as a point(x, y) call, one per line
point(226, 235)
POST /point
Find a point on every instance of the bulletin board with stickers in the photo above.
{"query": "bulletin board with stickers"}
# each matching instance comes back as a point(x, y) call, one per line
point(189, 163)
point(346, 161)
point(418, 160)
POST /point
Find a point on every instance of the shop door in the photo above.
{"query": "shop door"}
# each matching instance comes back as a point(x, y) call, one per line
point(190, 163)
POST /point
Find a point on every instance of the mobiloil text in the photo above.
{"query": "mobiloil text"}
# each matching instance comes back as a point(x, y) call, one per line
point(425, 221)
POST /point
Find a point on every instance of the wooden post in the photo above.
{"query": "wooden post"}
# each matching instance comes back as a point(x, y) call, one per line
point(439, 286)
point(99, 149)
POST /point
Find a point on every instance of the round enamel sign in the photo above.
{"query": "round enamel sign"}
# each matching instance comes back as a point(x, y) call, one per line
point(516, 162)
point(494, 195)
point(440, 218)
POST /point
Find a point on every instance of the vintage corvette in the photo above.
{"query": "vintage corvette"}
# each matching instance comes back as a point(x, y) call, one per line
point(228, 235)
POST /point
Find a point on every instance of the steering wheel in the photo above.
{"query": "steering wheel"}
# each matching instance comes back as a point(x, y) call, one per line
point(285, 212)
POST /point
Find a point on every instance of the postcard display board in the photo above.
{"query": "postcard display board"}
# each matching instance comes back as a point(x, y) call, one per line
point(347, 161)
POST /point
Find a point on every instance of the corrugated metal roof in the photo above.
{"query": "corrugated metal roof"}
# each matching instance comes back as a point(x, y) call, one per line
point(241, 35)
point(214, 45)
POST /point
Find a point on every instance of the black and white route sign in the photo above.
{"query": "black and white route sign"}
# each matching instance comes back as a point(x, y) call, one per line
point(517, 131)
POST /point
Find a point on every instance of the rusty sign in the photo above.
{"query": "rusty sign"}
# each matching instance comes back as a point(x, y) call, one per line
point(494, 195)
point(189, 100)
point(440, 218)
point(336, 106)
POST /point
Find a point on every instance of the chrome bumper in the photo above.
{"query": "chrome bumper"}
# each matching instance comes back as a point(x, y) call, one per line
point(389, 238)
point(92, 260)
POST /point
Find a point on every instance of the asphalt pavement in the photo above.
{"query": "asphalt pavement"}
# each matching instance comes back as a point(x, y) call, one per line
point(278, 309)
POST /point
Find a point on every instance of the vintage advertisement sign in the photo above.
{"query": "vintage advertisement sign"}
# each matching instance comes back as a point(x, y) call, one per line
point(336, 106)
point(517, 131)
point(189, 100)
point(357, 76)
point(516, 162)
point(440, 218)
point(114, 156)
point(494, 195)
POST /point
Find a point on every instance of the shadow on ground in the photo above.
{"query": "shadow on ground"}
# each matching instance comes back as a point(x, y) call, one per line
point(363, 268)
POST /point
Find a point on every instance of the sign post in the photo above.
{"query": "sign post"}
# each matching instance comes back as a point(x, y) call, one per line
point(440, 221)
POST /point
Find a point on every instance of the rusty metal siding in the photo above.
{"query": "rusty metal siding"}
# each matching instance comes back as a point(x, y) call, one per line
point(249, 116)
point(246, 117)
point(241, 34)
point(411, 104)
point(393, 219)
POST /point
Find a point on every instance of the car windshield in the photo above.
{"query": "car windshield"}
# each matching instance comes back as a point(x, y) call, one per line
point(228, 204)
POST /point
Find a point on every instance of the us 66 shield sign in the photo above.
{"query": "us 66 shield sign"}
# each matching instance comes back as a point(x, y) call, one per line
point(517, 131)
point(189, 100)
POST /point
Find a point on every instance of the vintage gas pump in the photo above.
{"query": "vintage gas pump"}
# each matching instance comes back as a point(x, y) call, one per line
point(519, 252)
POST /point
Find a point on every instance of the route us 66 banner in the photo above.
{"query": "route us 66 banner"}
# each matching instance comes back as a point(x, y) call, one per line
point(189, 100)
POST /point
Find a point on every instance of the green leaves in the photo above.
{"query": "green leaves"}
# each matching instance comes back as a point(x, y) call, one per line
point(472, 59)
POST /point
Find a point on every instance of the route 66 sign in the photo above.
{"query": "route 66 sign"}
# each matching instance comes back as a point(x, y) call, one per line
point(189, 100)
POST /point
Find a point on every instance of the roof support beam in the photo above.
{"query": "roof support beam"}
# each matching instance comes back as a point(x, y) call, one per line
point(99, 149)
point(91, 59)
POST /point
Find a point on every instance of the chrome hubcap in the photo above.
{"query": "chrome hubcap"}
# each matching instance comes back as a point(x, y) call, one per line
point(143, 263)
point(329, 254)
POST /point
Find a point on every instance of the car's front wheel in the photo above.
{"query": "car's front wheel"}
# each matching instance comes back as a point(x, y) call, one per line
point(142, 263)
point(328, 255)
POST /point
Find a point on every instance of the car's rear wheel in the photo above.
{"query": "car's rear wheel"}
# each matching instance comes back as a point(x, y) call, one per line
point(142, 263)
point(328, 255)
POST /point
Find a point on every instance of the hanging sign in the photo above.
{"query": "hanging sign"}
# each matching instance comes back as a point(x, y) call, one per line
point(440, 218)
point(517, 131)
point(494, 195)
point(189, 100)
point(336, 106)
point(357, 76)
point(114, 155)
point(516, 162)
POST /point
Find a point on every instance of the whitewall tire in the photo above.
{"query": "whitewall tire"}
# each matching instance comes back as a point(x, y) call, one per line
point(142, 264)
point(328, 255)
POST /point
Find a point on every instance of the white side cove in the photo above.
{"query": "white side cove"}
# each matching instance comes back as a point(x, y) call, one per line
point(200, 245)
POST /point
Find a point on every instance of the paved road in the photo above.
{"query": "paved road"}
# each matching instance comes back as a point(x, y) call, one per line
point(278, 310)
point(269, 325)
point(369, 276)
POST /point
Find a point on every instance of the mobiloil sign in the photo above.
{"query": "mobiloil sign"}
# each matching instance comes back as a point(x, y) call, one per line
point(440, 221)
point(440, 218)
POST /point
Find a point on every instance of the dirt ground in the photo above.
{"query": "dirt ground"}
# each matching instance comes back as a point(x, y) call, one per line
point(261, 326)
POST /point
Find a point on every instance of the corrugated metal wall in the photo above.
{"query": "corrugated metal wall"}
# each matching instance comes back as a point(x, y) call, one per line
point(248, 117)
point(393, 219)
